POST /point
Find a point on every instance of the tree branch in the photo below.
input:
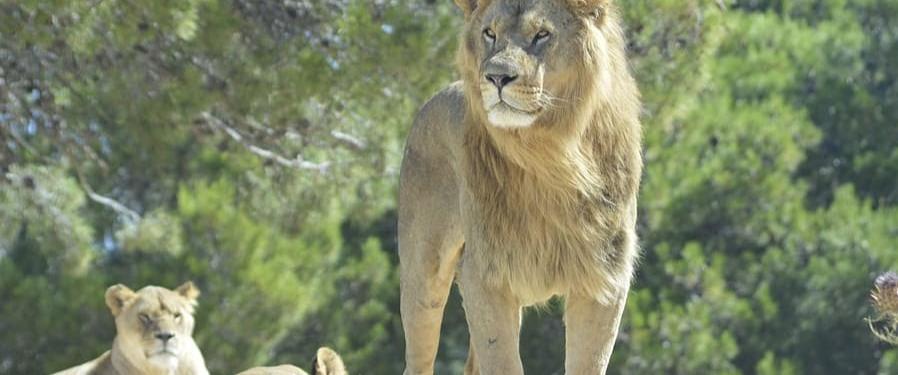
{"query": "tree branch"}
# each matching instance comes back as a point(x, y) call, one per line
point(349, 140)
point(130, 215)
point(297, 163)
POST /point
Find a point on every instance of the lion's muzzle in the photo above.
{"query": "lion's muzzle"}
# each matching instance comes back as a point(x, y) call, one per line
point(510, 98)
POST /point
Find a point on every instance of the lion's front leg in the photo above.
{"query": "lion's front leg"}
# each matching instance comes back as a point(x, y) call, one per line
point(590, 332)
point(494, 322)
point(424, 287)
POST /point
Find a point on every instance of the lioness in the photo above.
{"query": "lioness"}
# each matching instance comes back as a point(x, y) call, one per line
point(520, 183)
point(153, 334)
point(326, 362)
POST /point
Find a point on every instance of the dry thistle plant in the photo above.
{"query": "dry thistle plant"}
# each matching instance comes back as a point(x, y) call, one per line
point(884, 298)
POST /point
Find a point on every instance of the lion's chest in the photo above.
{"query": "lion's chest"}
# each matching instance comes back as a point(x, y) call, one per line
point(541, 241)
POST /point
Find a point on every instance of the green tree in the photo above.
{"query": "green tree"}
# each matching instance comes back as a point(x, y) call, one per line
point(253, 147)
point(221, 141)
point(739, 276)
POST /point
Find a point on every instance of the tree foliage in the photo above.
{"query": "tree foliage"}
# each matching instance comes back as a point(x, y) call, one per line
point(253, 147)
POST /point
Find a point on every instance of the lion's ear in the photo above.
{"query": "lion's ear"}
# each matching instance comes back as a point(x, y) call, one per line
point(117, 297)
point(467, 6)
point(188, 290)
point(595, 9)
point(328, 362)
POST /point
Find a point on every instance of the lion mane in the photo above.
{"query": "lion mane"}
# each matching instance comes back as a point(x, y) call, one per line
point(520, 183)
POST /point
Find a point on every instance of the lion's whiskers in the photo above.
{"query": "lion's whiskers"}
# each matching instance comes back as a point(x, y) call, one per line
point(547, 100)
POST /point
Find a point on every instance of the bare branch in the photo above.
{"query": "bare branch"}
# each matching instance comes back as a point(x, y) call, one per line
point(298, 162)
point(721, 4)
point(130, 215)
point(349, 140)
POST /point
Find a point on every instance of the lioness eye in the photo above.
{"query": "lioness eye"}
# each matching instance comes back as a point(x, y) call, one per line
point(144, 318)
point(489, 34)
point(178, 316)
point(541, 36)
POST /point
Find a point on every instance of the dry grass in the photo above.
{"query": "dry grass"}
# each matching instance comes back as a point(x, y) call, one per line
point(884, 298)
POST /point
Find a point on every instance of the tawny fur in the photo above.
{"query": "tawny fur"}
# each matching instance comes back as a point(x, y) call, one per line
point(554, 198)
point(326, 362)
point(135, 334)
point(517, 214)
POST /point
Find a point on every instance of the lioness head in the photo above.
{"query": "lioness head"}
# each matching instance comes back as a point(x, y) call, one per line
point(527, 60)
point(326, 362)
point(154, 325)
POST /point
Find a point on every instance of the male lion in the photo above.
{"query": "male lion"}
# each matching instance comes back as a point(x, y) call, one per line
point(153, 334)
point(520, 183)
point(326, 362)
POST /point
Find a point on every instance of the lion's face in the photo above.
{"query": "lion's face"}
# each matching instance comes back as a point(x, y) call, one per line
point(154, 325)
point(525, 56)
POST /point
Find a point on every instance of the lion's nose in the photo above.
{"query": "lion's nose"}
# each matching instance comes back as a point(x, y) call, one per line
point(164, 336)
point(500, 80)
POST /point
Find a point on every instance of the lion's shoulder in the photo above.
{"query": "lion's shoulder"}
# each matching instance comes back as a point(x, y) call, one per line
point(438, 129)
point(447, 105)
point(442, 116)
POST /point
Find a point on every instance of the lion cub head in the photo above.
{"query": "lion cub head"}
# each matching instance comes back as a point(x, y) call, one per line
point(530, 60)
point(154, 328)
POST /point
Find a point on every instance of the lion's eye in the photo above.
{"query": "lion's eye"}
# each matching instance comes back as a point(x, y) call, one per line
point(144, 318)
point(489, 35)
point(541, 36)
point(177, 316)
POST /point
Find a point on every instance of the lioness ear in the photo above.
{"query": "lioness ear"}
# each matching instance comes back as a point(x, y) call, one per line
point(467, 6)
point(117, 296)
point(188, 290)
point(328, 362)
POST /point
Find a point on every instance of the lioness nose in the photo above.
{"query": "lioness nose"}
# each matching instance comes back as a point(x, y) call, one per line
point(164, 336)
point(500, 80)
